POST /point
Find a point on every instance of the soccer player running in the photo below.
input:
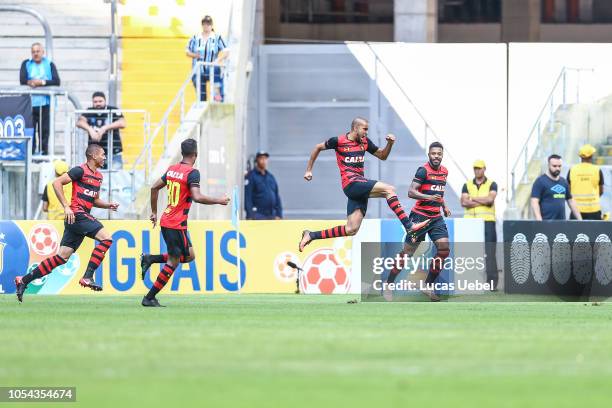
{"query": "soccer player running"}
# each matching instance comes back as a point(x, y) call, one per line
point(350, 155)
point(428, 188)
point(183, 184)
point(78, 222)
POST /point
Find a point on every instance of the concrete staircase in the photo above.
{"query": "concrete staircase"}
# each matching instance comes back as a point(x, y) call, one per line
point(81, 31)
point(604, 156)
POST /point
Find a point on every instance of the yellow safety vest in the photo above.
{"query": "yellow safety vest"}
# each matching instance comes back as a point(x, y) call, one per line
point(584, 186)
point(56, 211)
point(482, 211)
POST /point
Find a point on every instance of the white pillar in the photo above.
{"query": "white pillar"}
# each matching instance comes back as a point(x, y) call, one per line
point(415, 20)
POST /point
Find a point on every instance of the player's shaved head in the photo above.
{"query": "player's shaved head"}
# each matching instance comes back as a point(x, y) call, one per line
point(358, 121)
point(92, 149)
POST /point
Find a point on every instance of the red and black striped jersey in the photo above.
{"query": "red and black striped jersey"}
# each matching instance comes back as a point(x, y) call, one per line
point(432, 181)
point(179, 179)
point(350, 157)
point(85, 188)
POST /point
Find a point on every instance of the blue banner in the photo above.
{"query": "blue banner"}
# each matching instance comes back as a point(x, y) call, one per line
point(15, 121)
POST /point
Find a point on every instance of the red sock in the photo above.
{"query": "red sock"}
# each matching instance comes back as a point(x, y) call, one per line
point(339, 231)
point(97, 256)
point(396, 207)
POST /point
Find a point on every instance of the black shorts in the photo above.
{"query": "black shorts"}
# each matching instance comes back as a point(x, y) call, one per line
point(588, 216)
point(85, 225)
point(358, 193)
point(436, 229)
point(177, 241)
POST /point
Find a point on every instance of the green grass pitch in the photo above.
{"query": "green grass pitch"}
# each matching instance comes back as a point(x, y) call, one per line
point(307, 351)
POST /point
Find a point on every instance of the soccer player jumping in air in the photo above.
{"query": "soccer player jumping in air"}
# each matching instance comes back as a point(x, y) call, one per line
point(350, 154)
point(428, 188)
point(183, 183)
point(79, 223)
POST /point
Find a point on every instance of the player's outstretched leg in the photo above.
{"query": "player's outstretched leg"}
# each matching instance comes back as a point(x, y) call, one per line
point(146, 260)
point(164, 276)
point(414, 230)
point(436, 266)
point(353, 223)
point(97, 256)
point(44, 268)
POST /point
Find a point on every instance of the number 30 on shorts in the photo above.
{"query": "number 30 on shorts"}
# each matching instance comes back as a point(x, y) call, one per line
point(174, 191)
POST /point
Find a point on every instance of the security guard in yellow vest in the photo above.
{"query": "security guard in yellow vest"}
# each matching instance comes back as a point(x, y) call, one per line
point(478, 199)
point(51, 204)
point(586, 184)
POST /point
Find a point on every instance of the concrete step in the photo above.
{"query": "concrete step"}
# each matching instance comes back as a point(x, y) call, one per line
point(60, 54)
point(63, 64)
point(11, 77)
point(603, 160)
point(24, 43)
point(58, 30)
point(606, 150)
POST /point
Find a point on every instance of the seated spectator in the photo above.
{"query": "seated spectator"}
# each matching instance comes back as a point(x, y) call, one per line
point(51, 205)
point(98, 126)
point(207, 46)
point(37, 72)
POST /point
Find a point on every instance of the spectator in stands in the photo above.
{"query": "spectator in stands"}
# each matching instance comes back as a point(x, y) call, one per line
point(550, 192)
point(208, 46)
point(261, 198)
point(100, 125)
point(478, 199)
point(587, 184)
point(51, 205)
point(37, 72)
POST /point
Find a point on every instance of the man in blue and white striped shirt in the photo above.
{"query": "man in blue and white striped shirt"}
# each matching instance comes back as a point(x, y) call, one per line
point(207, 46)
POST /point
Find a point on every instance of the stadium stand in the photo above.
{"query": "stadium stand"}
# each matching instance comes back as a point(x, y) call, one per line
point(81, 34)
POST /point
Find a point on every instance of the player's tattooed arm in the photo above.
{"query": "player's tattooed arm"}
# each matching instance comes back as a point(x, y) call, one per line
point(158, 185)
point(313, 157)
point(200, 198)
point(58, 189)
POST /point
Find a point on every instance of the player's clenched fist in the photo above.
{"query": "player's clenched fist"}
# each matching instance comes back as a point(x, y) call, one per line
point(390, 138)
point(308, 176)
point(224, 200)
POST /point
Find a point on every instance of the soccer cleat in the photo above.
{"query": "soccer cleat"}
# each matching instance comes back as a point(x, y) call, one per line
point(90, 283)
point(20, 288)
point(431, 295)
point(305, 240)
point(417, 229)
point(150, 302)
point(145, 264)
point(388, 295)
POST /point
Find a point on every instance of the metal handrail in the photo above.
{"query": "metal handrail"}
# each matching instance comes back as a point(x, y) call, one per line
point(523, 156)
point(52, 92)
point(428, 127)
point(41, 19)
point(163, 124)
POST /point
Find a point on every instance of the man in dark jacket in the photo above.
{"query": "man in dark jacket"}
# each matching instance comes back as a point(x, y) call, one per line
point(261, 198)
point(39, 72)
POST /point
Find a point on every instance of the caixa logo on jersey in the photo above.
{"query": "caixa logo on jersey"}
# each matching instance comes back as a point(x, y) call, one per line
point(90, 193)
point(354, 159)
point(437, 188)
point(14, 255)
